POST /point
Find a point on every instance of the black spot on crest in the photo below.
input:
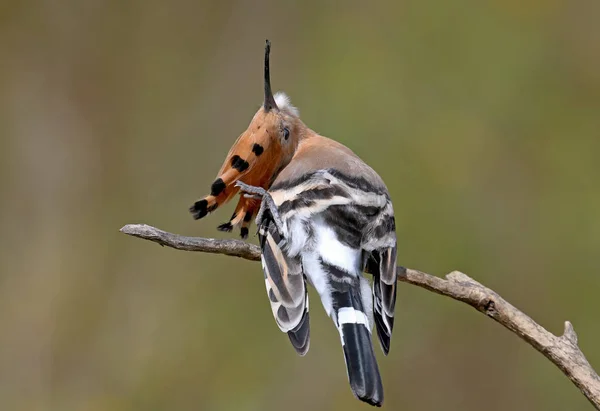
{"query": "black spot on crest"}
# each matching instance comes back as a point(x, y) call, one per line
point(257, 149)
point(225, 227)
point(217, 187)
point(199, 209)
point(239, 163)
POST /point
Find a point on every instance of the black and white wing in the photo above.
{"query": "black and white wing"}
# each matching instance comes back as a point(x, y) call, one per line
point(384, 295)
point(286, 286)
point(382, 264)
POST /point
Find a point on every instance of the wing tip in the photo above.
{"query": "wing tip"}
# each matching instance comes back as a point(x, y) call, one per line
point(300, 336)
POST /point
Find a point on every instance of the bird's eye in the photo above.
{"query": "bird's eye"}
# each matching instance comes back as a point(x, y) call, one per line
point(286, 133)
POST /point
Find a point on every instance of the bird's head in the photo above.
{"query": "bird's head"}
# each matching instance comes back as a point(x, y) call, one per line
point(261, 151)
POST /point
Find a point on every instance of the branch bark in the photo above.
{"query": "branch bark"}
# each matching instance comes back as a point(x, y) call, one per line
point(562, 351)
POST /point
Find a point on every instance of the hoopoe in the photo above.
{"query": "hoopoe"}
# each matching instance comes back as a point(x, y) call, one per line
point(323, 216)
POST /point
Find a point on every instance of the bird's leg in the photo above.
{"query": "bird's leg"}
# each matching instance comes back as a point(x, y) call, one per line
point(266, 203)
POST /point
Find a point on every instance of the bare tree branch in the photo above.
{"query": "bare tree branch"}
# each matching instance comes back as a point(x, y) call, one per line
point(562, 350)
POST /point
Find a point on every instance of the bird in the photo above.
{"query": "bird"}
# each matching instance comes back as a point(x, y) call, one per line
point(324, 218)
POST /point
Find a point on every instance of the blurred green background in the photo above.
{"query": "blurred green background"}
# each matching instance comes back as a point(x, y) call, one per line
point(482, 117)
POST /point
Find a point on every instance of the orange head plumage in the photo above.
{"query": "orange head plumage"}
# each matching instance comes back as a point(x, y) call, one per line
point(256, 157)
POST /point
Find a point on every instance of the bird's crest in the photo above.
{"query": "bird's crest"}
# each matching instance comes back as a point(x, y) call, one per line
point(256, 157)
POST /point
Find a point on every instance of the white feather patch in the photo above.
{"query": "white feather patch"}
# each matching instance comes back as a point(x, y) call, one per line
point(283, 102)
point(297, 236)
point(334, 252)
point(367, 299)
point(348, 315)
point(319, 279)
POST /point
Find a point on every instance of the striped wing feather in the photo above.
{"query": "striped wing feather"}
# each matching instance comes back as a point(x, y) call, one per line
point(286, 288)
point(382, 265)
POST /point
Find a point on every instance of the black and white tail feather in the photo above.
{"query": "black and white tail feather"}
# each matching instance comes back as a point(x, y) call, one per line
point(333, 227)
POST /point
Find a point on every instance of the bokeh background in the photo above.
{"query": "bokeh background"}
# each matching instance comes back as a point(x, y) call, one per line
point(482, 117)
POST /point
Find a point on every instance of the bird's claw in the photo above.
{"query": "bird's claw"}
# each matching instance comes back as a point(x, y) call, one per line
point(267, 203)
point(251, 191)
